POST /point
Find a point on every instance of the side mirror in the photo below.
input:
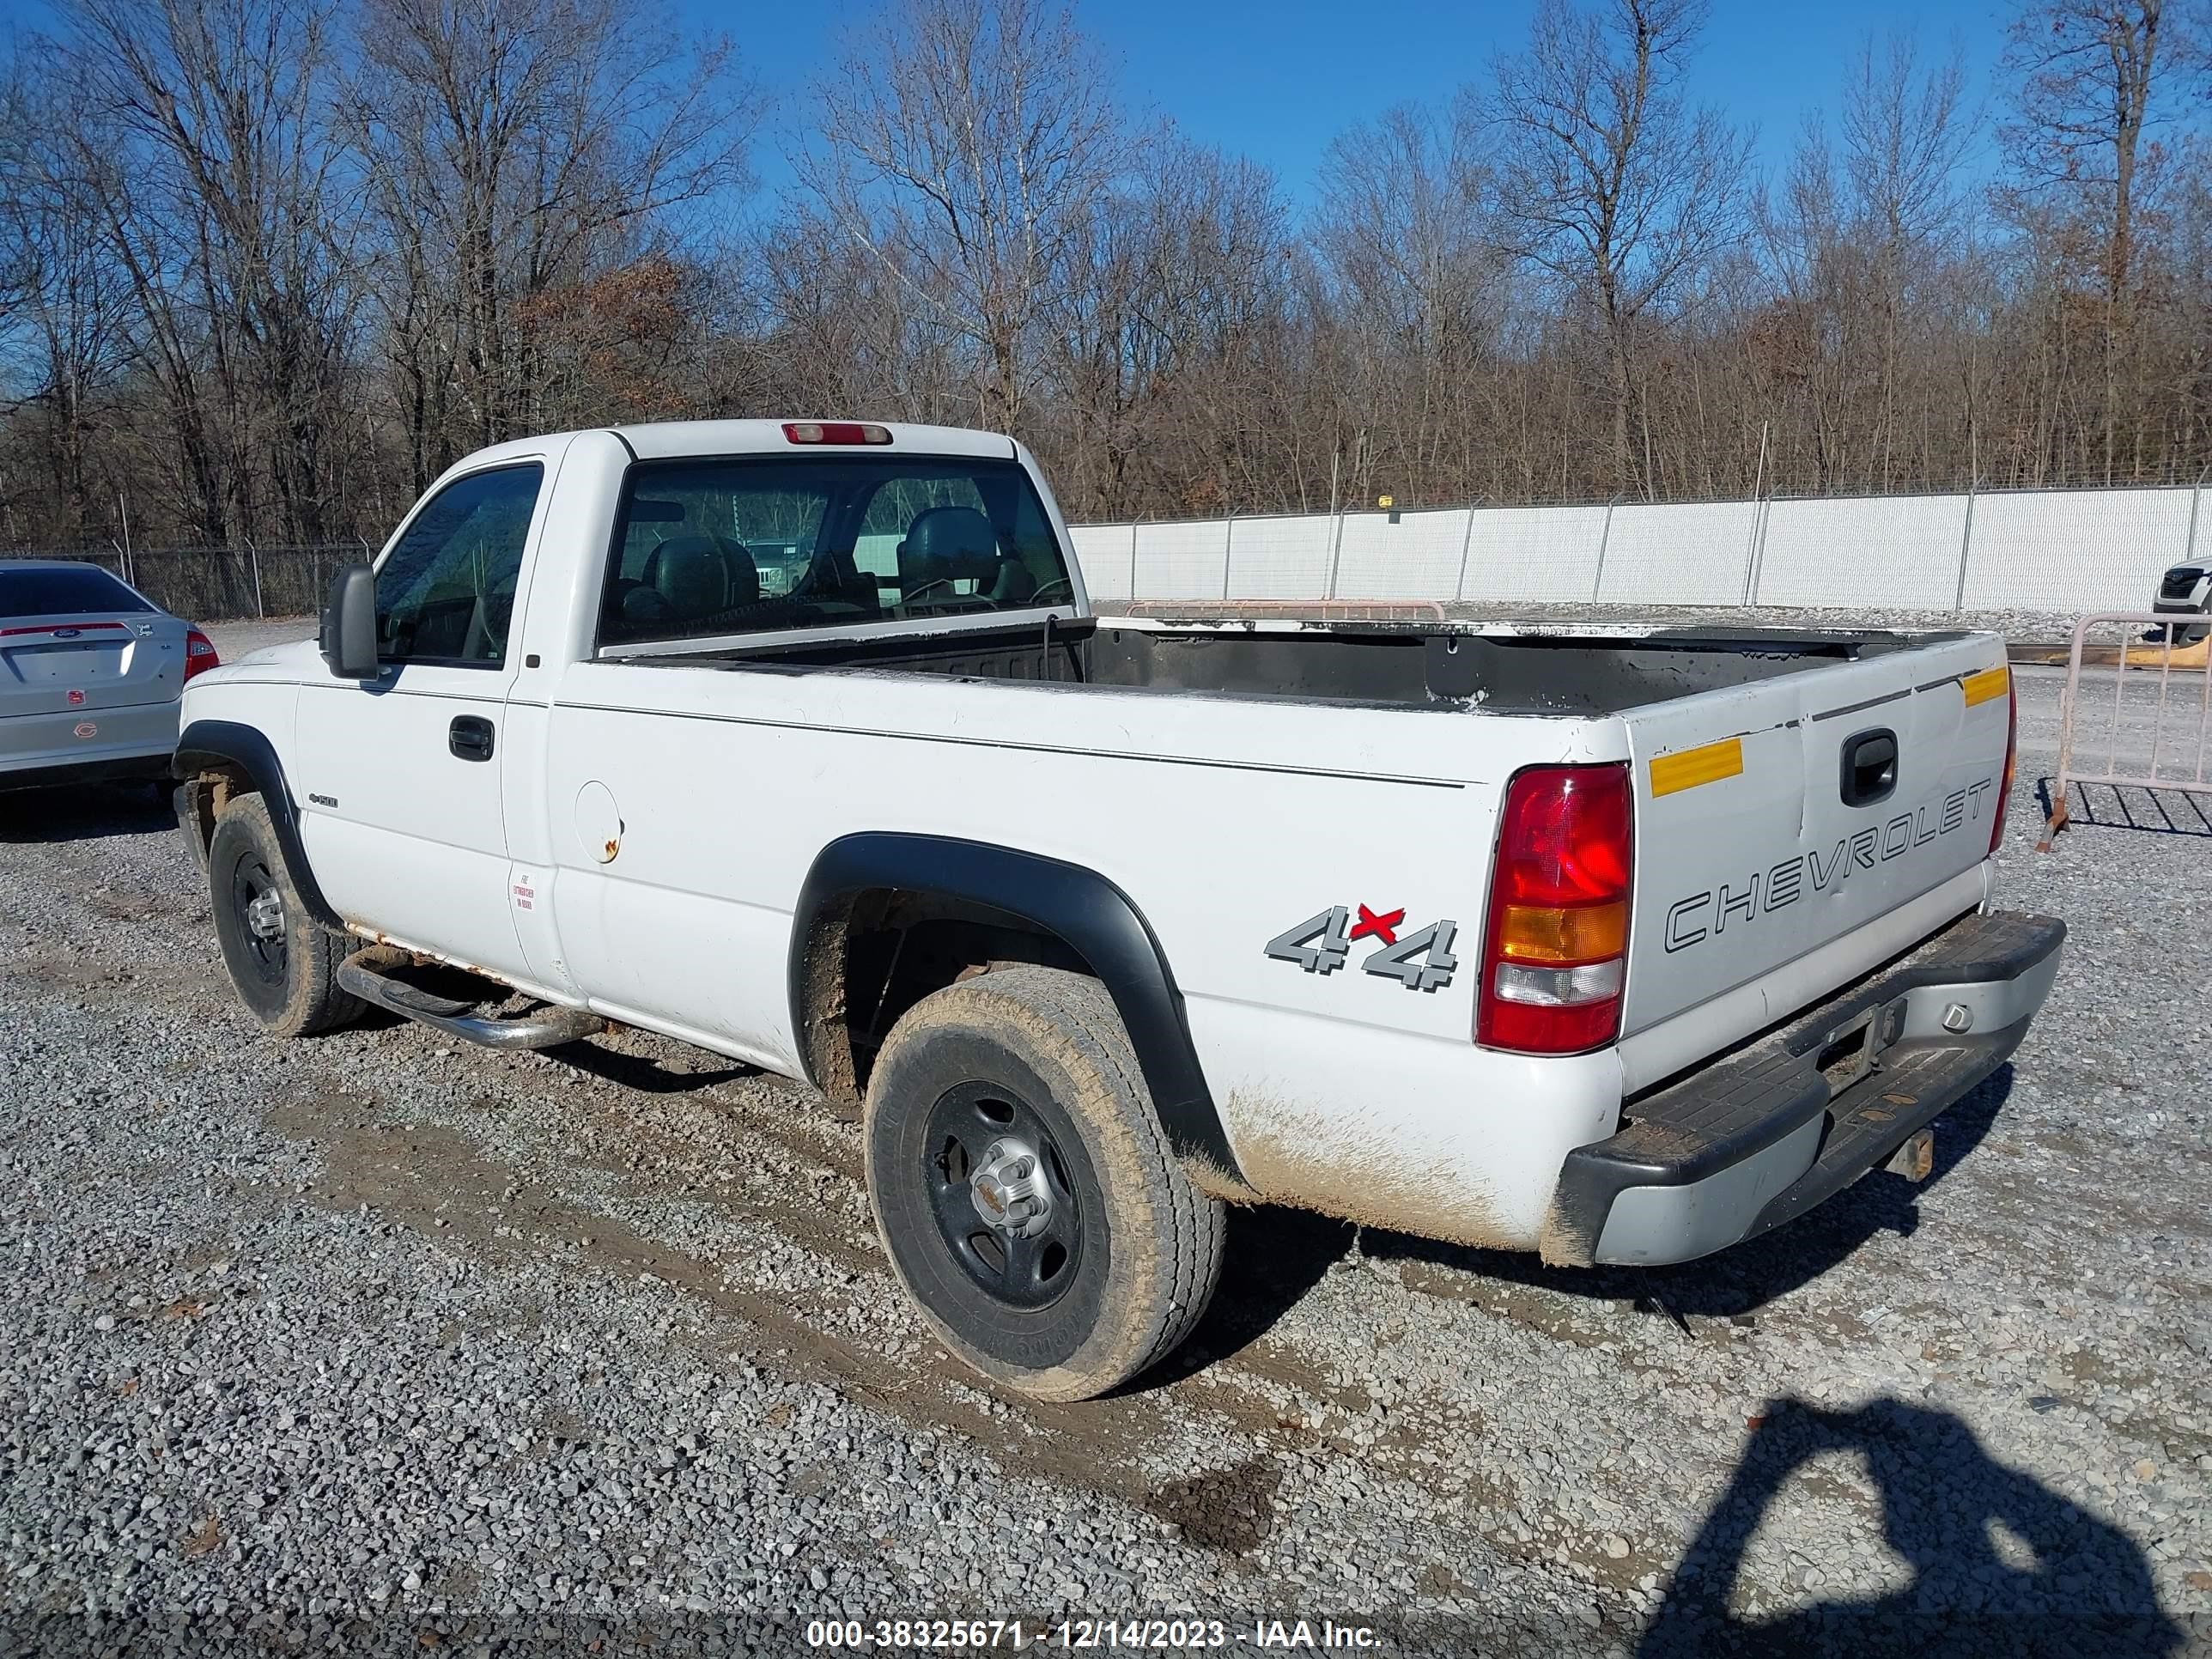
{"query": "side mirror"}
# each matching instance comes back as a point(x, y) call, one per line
point(350, 624)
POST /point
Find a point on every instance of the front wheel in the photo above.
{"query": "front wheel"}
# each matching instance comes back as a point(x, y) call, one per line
point(1025, 1191)
point(283, 964)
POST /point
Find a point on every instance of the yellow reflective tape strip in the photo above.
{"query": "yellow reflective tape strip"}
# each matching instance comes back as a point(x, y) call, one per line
point(1990, 683)
point(1710, 764)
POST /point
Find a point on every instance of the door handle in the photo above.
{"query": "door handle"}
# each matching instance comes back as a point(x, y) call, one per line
point(469, 737)
point(1869, 768)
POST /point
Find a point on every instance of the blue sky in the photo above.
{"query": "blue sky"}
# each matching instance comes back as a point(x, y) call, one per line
point(1277, 80)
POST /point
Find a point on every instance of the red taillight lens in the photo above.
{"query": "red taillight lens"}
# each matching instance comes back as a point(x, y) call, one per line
point(199, 654)
point(2012, 754)
point(1556, 942)
point(836, 432)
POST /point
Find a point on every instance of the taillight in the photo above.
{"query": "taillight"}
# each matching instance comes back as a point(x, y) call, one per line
point(1555, 949)
point(836, 432)
point(199, 654)
point(2012, 754)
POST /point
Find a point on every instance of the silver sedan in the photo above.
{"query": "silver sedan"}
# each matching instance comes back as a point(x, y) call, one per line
point(90, 675)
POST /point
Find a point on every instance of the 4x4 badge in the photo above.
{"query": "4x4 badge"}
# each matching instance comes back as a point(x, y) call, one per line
point(1322, 944)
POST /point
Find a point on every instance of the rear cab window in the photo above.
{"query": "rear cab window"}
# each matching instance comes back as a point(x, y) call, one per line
point(64, 591)
point(745, 544)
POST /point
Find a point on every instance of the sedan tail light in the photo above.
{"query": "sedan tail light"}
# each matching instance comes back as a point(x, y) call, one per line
point(199, 654)
point(1555, 948)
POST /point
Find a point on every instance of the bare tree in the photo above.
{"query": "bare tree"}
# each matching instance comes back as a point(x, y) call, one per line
point(1904, 144)
point(270, 264)
point(513, 148)
point(1171, 291)
point(1858, 243)
point(225, 99)
point(962, 142)
point(2087, 72)
point(200, 151)
point(63, 308)
point(1608, 181)
point(1417, 274)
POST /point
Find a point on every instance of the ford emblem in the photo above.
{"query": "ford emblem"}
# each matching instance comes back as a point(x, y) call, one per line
point(67, 633)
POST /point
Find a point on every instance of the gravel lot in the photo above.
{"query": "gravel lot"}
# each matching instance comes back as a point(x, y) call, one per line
point(371, 1342)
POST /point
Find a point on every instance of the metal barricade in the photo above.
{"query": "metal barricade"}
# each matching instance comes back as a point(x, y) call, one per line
point(2160, 708)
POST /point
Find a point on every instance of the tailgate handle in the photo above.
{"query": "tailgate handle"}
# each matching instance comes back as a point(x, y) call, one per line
point(1869, 770)
point(469, 737)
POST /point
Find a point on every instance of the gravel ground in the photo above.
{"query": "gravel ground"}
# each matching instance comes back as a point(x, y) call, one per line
point(369, 1342)
point(232, 640)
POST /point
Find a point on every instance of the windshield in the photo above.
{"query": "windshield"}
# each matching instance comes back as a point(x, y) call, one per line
point(759, 544)
point(63, 590)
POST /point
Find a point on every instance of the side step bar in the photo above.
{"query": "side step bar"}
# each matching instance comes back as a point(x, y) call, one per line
point(367, 974)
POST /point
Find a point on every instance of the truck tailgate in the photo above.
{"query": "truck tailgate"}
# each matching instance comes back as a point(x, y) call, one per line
point(1775, 817)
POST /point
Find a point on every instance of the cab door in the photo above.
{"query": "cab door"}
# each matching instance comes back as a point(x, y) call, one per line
point(399, 777)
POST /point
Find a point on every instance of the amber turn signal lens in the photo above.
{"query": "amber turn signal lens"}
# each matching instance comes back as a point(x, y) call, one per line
point(1587, 933)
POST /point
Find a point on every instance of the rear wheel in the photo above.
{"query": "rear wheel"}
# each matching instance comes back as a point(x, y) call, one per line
point(282, 963)
point(1025, 1191)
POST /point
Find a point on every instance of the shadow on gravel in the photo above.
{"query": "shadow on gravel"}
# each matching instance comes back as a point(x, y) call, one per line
point(85, 813)
point(2162, 811)
point(1745, 1276)
point(2000, 1563)
point(635, 1071)
point(1272, 1259)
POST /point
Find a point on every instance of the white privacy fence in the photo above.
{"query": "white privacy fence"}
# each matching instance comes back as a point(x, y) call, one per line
point(2053, 550)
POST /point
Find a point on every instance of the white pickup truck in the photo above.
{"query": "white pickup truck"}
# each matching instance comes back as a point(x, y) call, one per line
point(1621, 946)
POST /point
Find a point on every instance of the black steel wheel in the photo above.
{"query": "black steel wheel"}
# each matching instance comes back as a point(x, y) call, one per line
point(283, 964)
point(1006, 1204)
point(257, 906)
point(1025, 1191)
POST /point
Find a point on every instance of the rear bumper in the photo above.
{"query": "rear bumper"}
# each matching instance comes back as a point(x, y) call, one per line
point(103, 769)
point(1758, 1137)
point(78, 745)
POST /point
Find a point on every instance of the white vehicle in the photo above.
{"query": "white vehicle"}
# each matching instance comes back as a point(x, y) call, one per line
point(1622, 945)
point(2185, 590)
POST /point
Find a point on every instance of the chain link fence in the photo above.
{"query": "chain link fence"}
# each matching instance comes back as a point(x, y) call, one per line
point(2024, 551)
point(221, 584)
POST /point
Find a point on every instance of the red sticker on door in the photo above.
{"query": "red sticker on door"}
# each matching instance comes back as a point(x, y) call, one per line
point(76, 699)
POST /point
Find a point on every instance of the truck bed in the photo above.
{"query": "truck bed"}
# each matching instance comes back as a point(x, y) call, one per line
point(1593, 672)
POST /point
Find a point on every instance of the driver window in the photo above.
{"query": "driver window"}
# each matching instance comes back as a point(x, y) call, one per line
point(445, 592)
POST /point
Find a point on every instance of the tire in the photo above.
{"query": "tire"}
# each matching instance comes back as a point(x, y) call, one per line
point(1033, 1064)
point(283, 964)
